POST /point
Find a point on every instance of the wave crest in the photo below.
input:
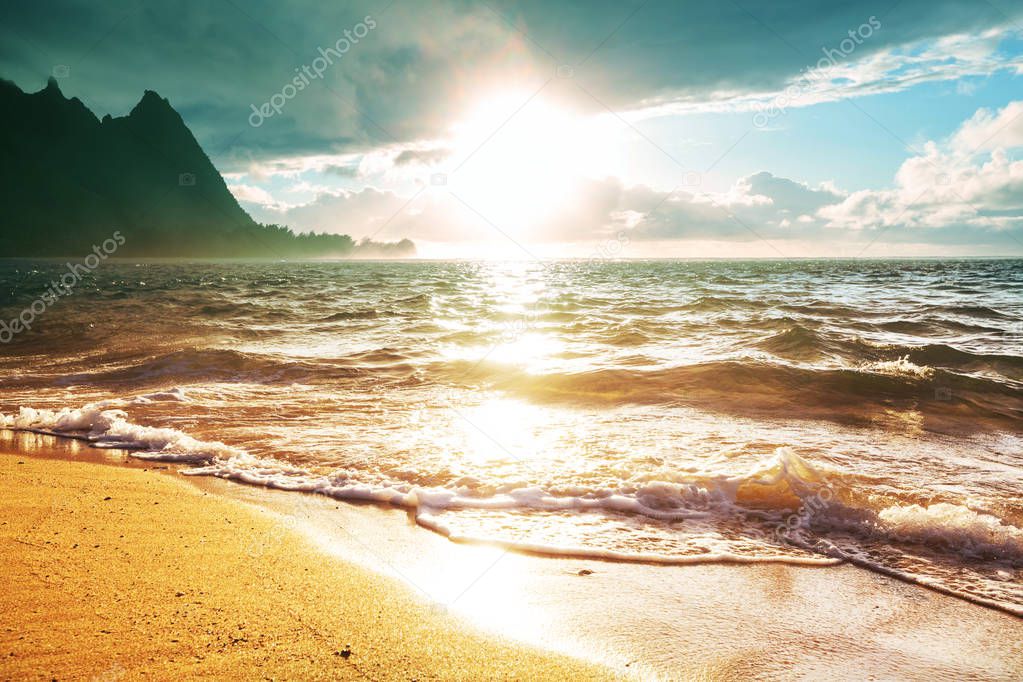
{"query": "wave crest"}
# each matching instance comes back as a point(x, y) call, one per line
point(109, 428)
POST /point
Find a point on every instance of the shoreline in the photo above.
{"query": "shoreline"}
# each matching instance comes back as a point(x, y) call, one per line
point(707, 621)
point(114, 572)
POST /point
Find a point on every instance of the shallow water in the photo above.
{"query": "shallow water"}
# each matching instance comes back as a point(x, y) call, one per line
point(663, 411)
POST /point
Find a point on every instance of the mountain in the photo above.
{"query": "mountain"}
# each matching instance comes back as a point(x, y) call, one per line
point(70, 180)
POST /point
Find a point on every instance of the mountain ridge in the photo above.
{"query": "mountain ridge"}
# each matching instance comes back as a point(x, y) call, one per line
point(71, 179)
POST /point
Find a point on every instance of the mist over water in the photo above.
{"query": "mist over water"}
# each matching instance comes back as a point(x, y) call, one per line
point(669, 411)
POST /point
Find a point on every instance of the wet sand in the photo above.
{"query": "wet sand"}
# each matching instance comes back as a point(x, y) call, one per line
point(118, 573)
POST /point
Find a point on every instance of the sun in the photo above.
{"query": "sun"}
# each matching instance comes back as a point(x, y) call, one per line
point(521, 158)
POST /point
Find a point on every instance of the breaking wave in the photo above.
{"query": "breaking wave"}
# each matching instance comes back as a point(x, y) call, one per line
point(783, 510)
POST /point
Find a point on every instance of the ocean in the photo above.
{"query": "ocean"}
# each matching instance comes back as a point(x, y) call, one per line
point(807, 412)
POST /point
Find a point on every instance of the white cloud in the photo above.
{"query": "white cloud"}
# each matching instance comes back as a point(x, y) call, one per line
point(252, 194)
point(944, 194)
point(969, 181)
point(992, 130)
point(892, 69)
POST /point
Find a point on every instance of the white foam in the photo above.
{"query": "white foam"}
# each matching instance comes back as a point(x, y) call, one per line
point(110, 428)
point(431, 522)
point(970, 533)
point(662, 496)
point(899, 368)
point(175, 394)
point(705, 494)
point(658, 499)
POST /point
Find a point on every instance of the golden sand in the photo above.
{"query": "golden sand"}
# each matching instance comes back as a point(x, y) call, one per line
point(118, 573)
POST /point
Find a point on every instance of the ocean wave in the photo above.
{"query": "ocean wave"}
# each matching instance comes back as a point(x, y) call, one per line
point(960, 528)
point(776, 484)
point(796, 342)
point(346, 315)
point(826, 309)
point(976, 311)
point(171, 395)
point(432, 522)
point(933, 326)
point(755, 386)
point(684, 497)
point(706, 304)
point(209, 365)
point(943, 355)
point(782, 501)
point(104, 427)
point(800, 343)
point(900, 367)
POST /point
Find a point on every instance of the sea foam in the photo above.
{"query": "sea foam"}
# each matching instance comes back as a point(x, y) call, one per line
point(109, 428)
point(779, 489)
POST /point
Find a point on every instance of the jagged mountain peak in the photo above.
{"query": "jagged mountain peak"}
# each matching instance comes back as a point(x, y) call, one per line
point(69, 181)
point(153, 105)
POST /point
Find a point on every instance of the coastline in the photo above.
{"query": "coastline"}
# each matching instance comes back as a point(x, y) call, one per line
point(269, 577)
point(114, 572)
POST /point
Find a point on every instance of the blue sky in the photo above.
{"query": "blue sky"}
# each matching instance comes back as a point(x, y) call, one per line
point(670, 128)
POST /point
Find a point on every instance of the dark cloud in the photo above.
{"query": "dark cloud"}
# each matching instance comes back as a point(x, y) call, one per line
point(788, 195)
point(420, 65)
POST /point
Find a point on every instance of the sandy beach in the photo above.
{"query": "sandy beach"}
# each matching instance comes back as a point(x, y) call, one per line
point(115, 573)
point(120, 569)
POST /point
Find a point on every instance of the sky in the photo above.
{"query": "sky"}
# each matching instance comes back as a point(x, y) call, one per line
point(656, 128)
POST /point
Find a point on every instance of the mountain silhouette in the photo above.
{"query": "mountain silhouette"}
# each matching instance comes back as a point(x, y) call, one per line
point(69, 180)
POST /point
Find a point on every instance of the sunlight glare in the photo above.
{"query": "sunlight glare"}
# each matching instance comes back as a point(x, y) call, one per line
point(526, 157)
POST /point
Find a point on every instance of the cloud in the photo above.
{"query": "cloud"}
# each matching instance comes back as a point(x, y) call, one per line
point(251, 194)
point(940, 196)
point(968, 184)
point(408, 78)
point(830, 75)
point(940, 191)
point(992, 130)
point(342, 171)
point(788, 196)
point(380, 214)
point(357, 213)
point(422, 157)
